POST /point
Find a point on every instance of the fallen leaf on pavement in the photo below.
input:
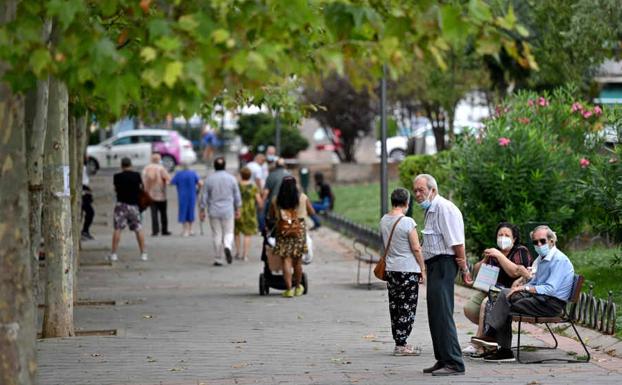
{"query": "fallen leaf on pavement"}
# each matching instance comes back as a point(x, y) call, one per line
point(147, 316)
point(240, 365)
point(95, 355)
point(369, 337)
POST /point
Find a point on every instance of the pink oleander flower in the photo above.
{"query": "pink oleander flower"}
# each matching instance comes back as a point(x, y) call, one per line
point(530, 103)
point(587, 114)
point(584, 162)
point(598, 111)
point(576, 106)
point(524, 120)
point(542, 101)
point(504, 142)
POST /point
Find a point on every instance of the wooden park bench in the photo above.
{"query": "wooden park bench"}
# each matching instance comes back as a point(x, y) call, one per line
point(363, 255)
point(565, 317)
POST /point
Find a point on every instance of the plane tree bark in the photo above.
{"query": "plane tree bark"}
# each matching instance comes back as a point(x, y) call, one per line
point(17, 328)
point(57, 221)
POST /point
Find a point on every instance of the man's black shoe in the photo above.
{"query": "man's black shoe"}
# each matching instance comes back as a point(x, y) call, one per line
point(501, 355)
point(166, 233)
point(228, 255)
point(481, 356)
point(448, 371)
point(217, 263)
point(434, 367)
point(154, 234)
point(315, 227)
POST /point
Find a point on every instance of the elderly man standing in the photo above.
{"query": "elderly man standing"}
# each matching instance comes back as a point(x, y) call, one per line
point(545, 295)
point(221, 197)
point(444, 254)
point(155, 178)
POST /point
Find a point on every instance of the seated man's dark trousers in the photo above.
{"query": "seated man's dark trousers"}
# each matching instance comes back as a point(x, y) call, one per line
point(538, 305)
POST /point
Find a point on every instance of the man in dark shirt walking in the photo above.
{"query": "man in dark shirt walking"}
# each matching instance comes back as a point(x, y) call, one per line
point(127, 185)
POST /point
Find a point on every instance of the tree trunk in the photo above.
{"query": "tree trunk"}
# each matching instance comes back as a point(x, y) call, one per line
point(17, 332)
point(58, 316)
point(36, 123)
point(76, 191)
point(81, 127)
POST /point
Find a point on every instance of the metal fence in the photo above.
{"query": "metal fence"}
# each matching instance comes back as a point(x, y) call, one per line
point(365, 235)
point(595, 313)
point(590, 311)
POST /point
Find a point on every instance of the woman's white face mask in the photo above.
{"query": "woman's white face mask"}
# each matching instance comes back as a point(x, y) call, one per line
point(504, 242)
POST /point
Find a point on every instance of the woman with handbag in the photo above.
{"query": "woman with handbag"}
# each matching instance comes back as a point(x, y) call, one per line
point(288, 211)
point(404, 270)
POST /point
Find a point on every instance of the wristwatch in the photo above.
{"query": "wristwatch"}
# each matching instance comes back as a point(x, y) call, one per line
point(465, 270)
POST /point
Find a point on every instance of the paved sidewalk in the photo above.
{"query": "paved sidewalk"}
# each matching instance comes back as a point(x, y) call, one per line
point(182, 321)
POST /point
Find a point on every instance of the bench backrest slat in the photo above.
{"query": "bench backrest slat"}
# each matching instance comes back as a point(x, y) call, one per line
point(577, 285)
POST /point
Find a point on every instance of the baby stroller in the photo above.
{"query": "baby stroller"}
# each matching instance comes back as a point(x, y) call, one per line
point(268, 279)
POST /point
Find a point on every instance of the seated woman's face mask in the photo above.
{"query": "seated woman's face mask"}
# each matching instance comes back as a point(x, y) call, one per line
point(504, 242)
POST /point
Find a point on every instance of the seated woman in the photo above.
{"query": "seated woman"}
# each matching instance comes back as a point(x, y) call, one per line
point(513, 260)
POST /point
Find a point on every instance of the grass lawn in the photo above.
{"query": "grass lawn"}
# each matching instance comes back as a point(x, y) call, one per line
point(361, 203)
point(599, 269)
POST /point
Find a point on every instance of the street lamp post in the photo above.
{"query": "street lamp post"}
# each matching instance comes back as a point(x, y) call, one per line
point(277, 140)
point(383, 143)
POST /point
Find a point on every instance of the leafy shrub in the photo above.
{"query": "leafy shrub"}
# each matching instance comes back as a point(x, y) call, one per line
point(526, 167)
point(436, 165)
point(249, 124)
point(260, 129)
point(292, 142)
point(602, 184)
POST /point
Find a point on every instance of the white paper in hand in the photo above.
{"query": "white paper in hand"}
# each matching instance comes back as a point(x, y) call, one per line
point(486, 277)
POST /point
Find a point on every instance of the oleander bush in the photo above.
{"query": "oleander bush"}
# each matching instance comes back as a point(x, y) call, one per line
point(527, 165)
point(602, 183)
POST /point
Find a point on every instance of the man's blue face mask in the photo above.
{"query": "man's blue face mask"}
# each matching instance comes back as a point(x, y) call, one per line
point(542, 250)
point(426, 203)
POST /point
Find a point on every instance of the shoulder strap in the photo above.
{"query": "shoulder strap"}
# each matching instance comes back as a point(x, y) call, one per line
point(386, 248)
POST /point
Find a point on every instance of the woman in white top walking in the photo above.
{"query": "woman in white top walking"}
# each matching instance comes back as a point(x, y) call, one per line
point(405, 270)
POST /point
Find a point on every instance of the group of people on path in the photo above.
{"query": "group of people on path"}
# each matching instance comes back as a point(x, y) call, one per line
point(539, 287)
point(236, 208)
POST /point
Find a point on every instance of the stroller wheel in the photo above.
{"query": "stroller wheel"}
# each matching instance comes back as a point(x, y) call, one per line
point(305, 283)
point(263, 287)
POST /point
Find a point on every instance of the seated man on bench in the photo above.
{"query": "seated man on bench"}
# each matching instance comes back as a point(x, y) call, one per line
point(545, 295)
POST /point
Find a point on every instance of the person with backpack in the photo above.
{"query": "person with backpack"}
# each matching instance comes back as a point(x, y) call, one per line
point(288, 211)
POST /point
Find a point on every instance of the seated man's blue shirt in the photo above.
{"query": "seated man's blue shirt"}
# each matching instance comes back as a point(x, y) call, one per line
point(554, 275)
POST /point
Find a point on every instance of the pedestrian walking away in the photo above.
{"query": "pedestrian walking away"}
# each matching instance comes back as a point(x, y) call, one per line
point(273, 183)
point(246, 224)
point(127, 185)
point(187, 182)
point(404, 272)
point(288, 212)
point(444, 254)
point(87, 206)
point(155, 178)
point(259, 176)
point(221, 198)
